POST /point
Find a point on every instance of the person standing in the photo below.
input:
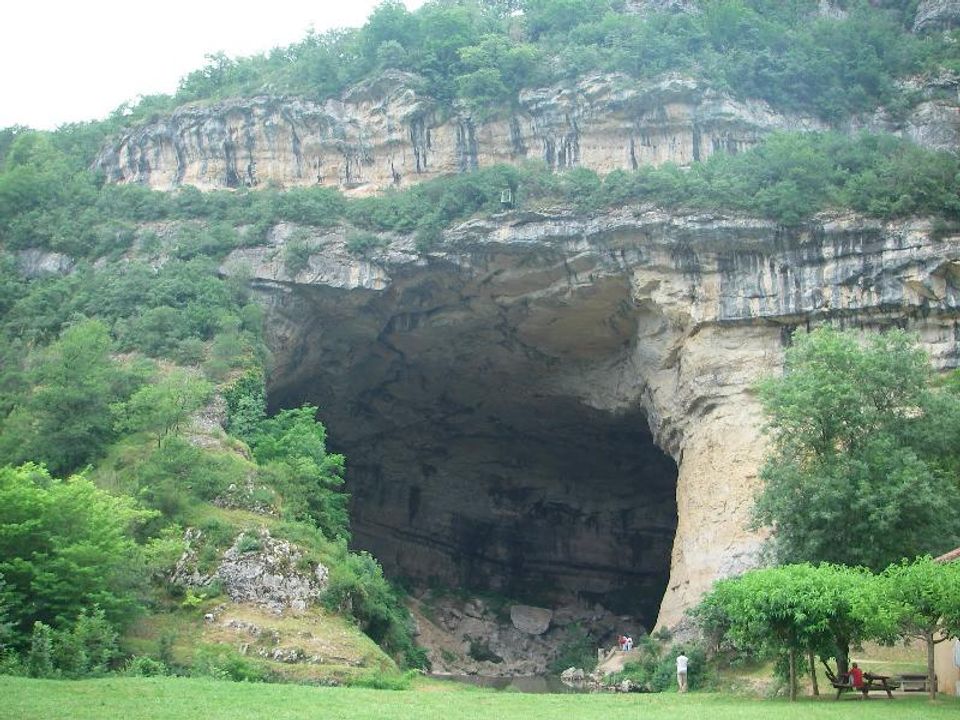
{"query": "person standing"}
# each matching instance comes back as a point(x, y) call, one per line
point(682, 662)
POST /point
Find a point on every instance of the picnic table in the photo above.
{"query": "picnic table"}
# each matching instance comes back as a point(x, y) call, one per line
point(871, 681)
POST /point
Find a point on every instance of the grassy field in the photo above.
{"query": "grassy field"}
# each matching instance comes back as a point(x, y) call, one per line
point(156, 698)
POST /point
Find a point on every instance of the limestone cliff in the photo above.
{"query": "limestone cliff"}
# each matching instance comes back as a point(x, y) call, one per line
point(505, 398)
point(388, 132)
point(937, 15)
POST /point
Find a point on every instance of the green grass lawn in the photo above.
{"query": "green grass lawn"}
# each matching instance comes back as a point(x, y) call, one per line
point(178, 698)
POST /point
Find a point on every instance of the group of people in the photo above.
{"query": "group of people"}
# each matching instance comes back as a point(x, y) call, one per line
point(624, 642)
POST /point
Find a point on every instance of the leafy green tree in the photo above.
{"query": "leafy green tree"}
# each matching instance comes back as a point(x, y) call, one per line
point(926, 599)
point(795, 611)
point(162, 406)
point(65, 420)
point(291, 448)
point(66, 546)
point(246, 405)
point(849, 478)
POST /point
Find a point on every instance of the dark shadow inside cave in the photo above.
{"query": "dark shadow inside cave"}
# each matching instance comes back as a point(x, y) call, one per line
point(474, 461)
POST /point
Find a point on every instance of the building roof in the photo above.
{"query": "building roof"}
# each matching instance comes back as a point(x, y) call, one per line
point(950, 556)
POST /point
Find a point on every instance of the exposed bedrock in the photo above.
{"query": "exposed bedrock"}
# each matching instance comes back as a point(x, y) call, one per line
point(387, 132)
point(558, 407)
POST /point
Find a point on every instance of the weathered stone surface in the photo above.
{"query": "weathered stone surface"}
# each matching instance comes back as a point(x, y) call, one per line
point(268, 575)
point(531, 620)
point(385, 133)
point(460, 641)
point(34, 262)
point(502, 398)
point(937, 15)
point(258, 569)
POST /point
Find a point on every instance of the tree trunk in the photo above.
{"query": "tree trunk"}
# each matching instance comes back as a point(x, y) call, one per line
point(813, 674)
point(843, 660)
point(931, 674)
point(793, 675)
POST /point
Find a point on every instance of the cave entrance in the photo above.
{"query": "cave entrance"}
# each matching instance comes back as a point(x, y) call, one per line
point(478, 455)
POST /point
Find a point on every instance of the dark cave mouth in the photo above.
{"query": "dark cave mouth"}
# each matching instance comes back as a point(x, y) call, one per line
point(542, 500)
point(577, 508)
point(473, 460)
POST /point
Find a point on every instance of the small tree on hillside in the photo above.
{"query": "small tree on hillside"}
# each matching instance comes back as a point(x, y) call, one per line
point(860, 470)
point(793, 611)
point(160, 408)
point(925, 598)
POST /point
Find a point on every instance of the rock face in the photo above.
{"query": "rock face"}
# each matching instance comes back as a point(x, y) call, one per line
point(475, 637)
point(258, 569)
point(561, 407)
point(937, 15)
point(386, 133)
point(531, 620)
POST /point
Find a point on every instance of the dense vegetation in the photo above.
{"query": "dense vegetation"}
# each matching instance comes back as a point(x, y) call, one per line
point(796, 613)
point(100, 371)
point(863, 466)
point(483, 52)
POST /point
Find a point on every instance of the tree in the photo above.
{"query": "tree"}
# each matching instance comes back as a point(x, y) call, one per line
point(65, 420)
point(291, 448)
point(925, 596)
point(161, 407)
point(65, 546)
point(795, 610)
point(852, 476)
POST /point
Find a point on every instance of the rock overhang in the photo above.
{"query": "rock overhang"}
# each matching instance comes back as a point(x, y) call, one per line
point(635, 323)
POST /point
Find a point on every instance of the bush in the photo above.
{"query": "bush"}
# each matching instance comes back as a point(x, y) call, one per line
point(360, 242)
point(87, 648)
point(578, 651)
point(296, 254)
point(379, 680)
point(223, 662)
point(656, 671)
point(142, 666)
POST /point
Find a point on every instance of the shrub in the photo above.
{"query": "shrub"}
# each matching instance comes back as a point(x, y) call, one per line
point(296, 254)
point(360, 242)
point(656, 671)
point(142, 666)
point(380, 680)
point(224, 663)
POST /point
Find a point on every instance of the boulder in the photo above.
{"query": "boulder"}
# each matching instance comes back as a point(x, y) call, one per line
point(529, 619)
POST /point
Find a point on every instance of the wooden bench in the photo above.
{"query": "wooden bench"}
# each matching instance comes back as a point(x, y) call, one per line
point(871, 682)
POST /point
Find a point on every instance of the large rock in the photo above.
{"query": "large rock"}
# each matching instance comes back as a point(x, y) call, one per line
point(937, 15)
point(531, 620)
point(264, 570)
point(258, 568)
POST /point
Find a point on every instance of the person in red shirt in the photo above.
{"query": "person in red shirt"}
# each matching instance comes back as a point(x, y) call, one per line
point(856, 676)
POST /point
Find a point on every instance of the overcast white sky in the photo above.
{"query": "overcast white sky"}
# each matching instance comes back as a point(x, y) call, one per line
point(71, 60)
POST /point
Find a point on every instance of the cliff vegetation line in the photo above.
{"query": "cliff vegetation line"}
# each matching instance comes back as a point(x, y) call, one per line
point(483, 52)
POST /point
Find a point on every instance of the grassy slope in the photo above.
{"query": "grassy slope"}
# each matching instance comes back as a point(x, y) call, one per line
point(149, 698)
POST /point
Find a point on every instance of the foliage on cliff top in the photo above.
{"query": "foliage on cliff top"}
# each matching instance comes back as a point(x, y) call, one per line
point(483, 52)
